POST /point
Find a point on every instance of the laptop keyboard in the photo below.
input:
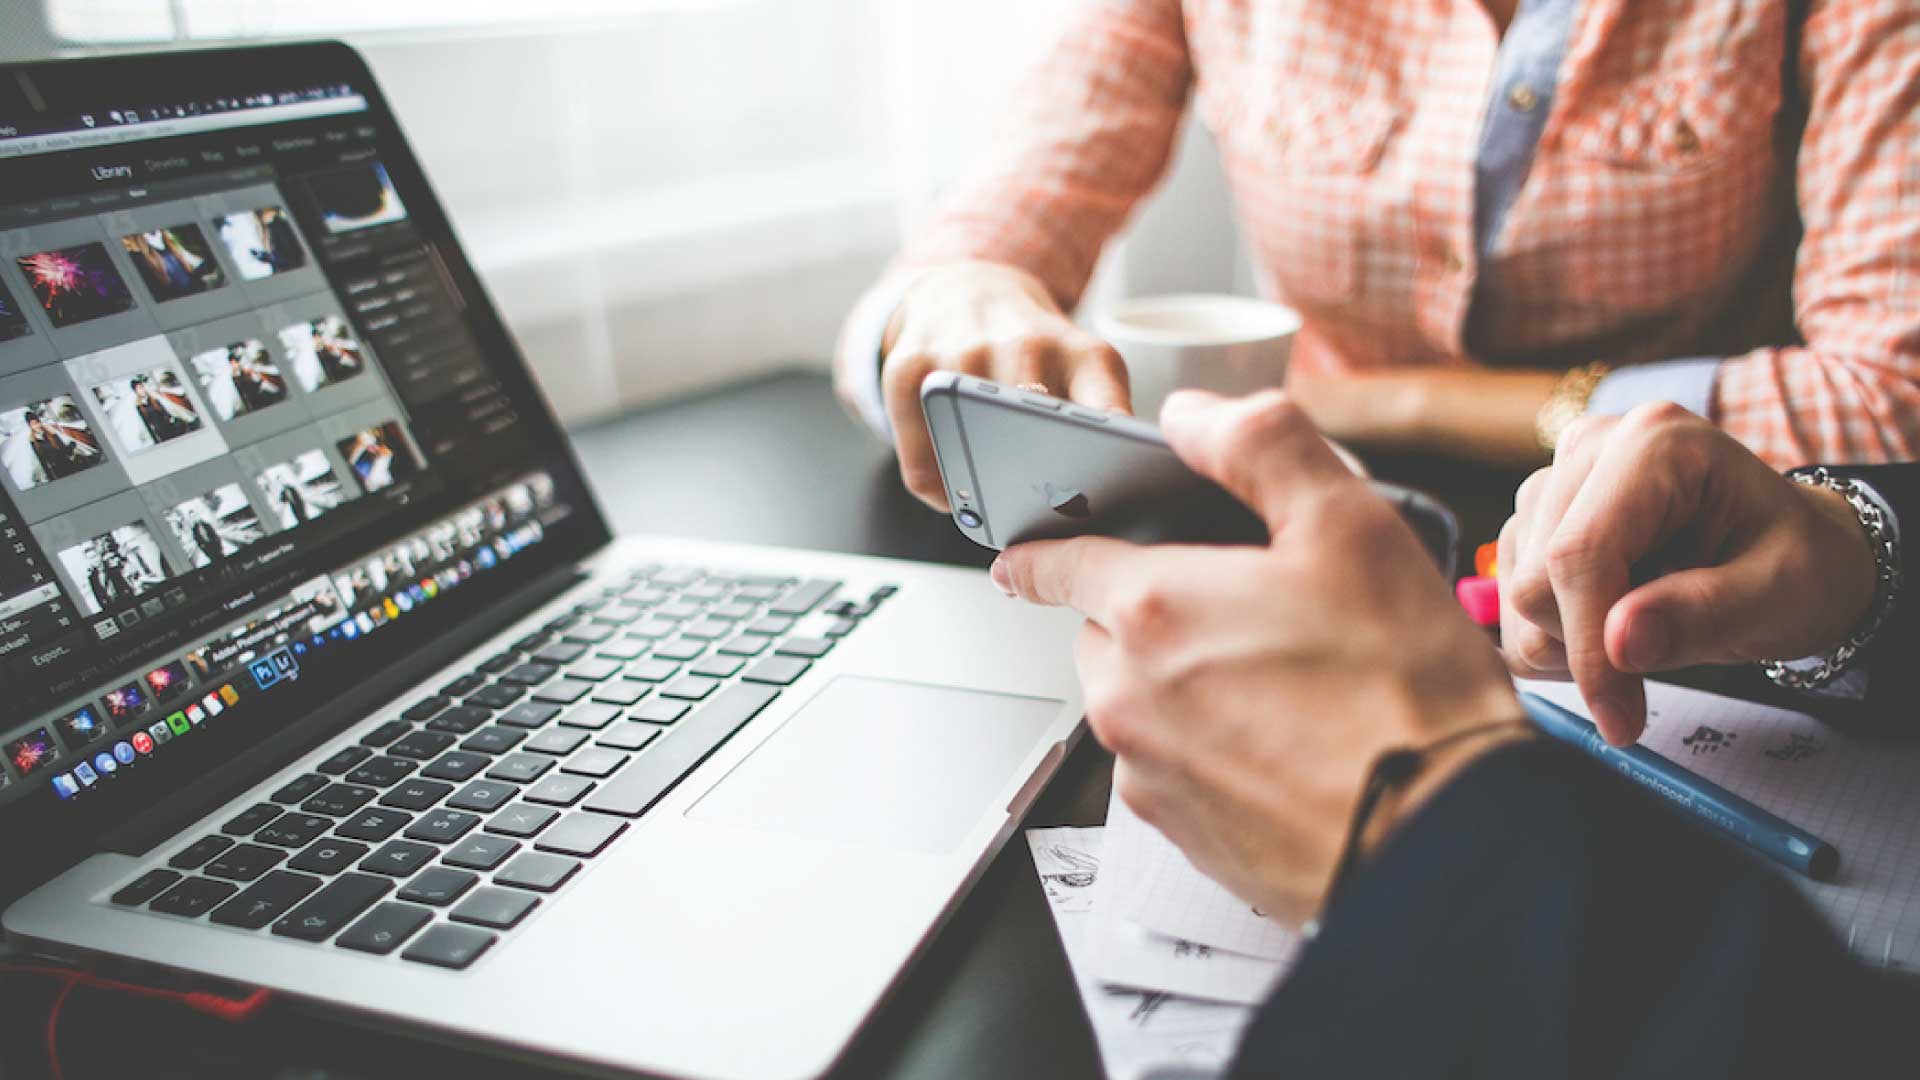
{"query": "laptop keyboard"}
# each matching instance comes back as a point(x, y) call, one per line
point(445, 828)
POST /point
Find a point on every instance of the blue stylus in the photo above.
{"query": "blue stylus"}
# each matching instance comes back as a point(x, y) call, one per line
point(1781, 841)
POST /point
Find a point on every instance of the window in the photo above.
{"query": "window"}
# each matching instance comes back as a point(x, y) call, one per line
point(108, 22)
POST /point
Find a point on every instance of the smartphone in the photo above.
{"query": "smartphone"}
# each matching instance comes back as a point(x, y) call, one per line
point(1022, 466)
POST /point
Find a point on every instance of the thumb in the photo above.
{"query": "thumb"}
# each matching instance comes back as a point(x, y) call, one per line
point(1262, 448)
point(1705, 615)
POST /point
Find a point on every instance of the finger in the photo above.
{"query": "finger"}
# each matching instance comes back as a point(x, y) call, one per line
point(1697, 616)
point(900, 381)
point(1032, 361)
point(1097, 378)
point(1531, 653)
point(1548, 493)
point(1083, 573)
point(1261, 448)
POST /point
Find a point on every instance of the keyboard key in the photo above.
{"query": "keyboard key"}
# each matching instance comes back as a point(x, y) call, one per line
point(198, 852)
point(300, 789)
point(329, 855)
point(460, 719)
point(707, 630)
point(704, 593)
point(758, 593)
point(374, 824)
point(778, 670)
point(442, 826)
point(661, 711)
point(531, 673)
point(339, 800)
point(598, 669)
point(745, 645)
point(624, 649)
point(769, 625)
point(627, 736)
point(679, 649)
point(496, 696)
point(384, 928)
point(457, 765)
point(589, 633)
point(425, 708)
point(464, 685)
point(193, 897)
point(501, 909)
point(616, 614)
point(492, 740)
point(145, 887)
point(652, 629)
point(557, 741)
point(422, 745)
point(385, 733)
point(294, 830)
point(690, 688)
point(805, 647)
point(499, 662)
point(731, 611)
point(416, 794)
point(520, 768)
point(244, 862)
point(559, 789)
point(438, 885)
point(536, 640)
point(345, 758)
point(521, 820)
point(581, 835)
point(840, 629)
point(804, 597)
point(677, 610)
point(541, 873)
point(531, 714)
point(590, 716)
point(398, 858)
point(325, 912)
point(620, 692)
point(485, 796)
point(717, 667)
point(249, 821)
point(651, 775)
point(676, 577)
point(595, 762)
point(382, 772)
point(563, 691)
point(265, 900)
point(481, 852)
point(561, 652)
point(646, 596)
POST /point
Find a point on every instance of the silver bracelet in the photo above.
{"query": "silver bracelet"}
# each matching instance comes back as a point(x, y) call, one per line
point(1887, 579)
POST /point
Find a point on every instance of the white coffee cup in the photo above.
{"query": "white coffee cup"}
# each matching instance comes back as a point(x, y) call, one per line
point(1228, 344)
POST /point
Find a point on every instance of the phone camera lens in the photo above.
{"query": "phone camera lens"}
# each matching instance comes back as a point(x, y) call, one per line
point(968, 518)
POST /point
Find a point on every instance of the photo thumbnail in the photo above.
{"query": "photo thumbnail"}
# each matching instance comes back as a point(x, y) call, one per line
point(364, 582)
point(32, 752)
point(48, 440)
point(215, 526)
point(80, 727)
point(148, 408)
point(302, 489)
point(357, 198)
point(76, 284)
point(168, 683)
point(323, 352)
point(262, 242)
point(174, 262)
point(116, 567)
point(378, 456)
point(125, 705)
point(13, 320)
point(320, 595)
point(239, 379)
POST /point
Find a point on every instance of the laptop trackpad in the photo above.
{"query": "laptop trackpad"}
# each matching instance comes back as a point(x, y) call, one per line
point(893, 764)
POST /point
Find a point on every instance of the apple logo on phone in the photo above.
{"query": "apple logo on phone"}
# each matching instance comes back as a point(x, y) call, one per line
point(1066, 502)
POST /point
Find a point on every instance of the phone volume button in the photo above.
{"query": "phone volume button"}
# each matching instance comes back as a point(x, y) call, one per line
point(1088, 414)
point(1038, 402)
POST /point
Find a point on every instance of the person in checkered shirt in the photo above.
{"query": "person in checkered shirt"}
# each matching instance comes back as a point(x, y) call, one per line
point(1479, 208)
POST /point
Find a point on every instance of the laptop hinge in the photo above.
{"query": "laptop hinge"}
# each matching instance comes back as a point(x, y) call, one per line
point(167, 817)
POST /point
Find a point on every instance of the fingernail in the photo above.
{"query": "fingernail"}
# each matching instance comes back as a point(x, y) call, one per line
point(1002, 579)
point(1609, 715)
point(1649, 645)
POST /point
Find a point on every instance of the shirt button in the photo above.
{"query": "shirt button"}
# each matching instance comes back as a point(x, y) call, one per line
point(1453, 262)
point(1522, 98)
point(1685, 139)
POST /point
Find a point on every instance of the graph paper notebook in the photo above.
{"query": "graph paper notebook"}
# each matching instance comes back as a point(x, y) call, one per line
point(1862, 796)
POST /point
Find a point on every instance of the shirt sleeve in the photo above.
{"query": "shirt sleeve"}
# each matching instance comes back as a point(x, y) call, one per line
point(1686, 383)
point(1852, 392)
point(1541, 916)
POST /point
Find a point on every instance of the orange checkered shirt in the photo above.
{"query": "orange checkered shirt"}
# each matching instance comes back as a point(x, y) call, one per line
point(1654, 221)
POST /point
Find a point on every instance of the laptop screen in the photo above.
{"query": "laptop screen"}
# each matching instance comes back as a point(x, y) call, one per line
point(256, 418)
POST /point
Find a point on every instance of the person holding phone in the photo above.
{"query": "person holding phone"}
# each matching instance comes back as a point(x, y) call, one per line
point(1493, 216)
point(1508, 907)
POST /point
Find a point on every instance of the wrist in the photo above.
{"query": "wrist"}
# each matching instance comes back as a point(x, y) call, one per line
point(1848, 554)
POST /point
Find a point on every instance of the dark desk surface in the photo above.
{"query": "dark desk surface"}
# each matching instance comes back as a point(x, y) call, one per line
point(772, 461)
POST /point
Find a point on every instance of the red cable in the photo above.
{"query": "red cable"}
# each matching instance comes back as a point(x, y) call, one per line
point(231, 1010)
point(53, 1029)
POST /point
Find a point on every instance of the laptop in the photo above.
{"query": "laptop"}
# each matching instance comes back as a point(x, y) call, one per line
point(322, 672)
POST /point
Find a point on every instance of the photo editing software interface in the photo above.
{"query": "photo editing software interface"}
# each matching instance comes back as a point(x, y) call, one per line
point(226, 353)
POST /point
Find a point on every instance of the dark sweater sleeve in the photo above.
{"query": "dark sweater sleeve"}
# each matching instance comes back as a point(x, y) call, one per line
point(1541, 918)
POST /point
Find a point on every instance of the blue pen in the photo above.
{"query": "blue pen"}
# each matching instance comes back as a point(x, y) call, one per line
point(1781, 841)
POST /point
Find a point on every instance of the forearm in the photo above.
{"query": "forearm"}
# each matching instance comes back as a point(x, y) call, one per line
point(1540, 916)
point(1467, 413)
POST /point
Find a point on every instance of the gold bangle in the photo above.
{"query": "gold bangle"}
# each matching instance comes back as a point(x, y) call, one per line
point(1567, 403)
